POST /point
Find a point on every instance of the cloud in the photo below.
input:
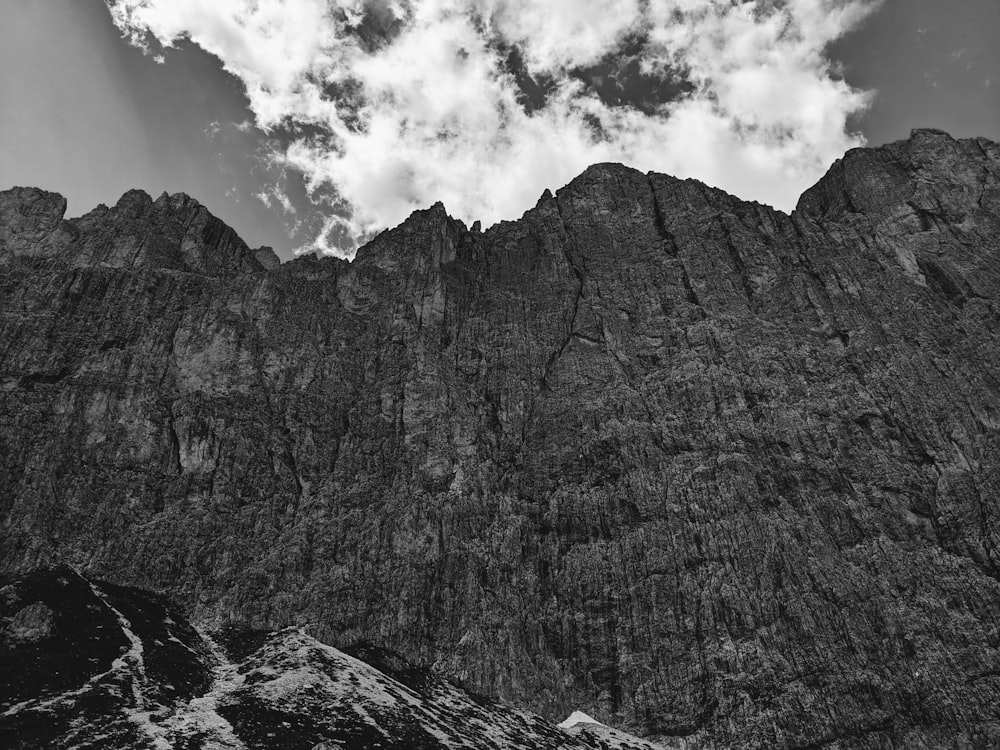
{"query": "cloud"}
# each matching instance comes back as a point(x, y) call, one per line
point(275, 197)
point(385, 106)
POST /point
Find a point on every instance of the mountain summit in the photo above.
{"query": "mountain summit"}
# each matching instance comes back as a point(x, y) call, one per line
point(708, 472)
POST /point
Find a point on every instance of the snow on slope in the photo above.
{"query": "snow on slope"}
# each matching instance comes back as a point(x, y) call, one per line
point(94, 665)
point(577, 717)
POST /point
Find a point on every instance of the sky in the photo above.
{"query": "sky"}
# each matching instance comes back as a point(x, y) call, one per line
point(312, 124)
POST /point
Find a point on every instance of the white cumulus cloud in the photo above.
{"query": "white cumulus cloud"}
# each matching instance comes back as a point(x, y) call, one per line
point(391, 105)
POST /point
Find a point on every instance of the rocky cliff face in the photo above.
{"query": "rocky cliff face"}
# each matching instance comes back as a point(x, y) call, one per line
point(706, 471)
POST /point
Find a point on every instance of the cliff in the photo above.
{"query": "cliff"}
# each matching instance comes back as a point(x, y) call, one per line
point(706, 471)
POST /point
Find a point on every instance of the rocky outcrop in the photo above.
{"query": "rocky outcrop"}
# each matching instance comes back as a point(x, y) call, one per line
point(706, 471)
point(117, 667)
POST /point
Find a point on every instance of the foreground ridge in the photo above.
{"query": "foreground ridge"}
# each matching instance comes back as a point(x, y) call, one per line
point(714, 474)
point(110, 666)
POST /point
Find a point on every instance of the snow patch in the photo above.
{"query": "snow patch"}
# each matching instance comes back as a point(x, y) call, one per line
point(577, 717)
point(201, 715)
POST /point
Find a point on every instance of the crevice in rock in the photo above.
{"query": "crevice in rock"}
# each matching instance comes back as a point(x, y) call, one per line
point(28, 382)
point(175, 443)
point(982, 190)
point(577, 298)
point(979, 145)
point(672, 249)
point(289, 459)
point(927, 219)
point(941, 282)
point(737, 260)
point(554, 357)
point(630, 382)
point(287, 453)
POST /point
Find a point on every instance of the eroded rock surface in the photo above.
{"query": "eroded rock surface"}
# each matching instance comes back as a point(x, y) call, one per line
point(708, 472)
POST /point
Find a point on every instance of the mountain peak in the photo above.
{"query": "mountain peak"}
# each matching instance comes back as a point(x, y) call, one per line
point(881, 182)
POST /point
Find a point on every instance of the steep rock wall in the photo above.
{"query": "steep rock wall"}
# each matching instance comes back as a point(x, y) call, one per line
point(707, 471)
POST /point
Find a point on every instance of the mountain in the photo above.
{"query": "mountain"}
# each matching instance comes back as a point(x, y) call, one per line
point(94, 665)
point(715, 475)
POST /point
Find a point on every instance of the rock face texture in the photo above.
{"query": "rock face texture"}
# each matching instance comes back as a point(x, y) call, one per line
point(711, 473)
point(117, 667)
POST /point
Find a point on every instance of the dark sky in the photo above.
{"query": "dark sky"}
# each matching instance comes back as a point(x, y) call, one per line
point(933, 63)
point(84, 114)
